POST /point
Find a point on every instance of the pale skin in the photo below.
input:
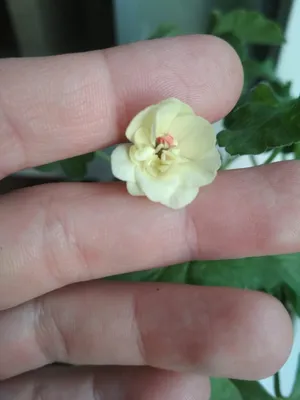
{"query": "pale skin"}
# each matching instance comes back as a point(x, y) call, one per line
point(141, 341)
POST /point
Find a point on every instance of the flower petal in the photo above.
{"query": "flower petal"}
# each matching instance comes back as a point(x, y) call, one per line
point(134, 189)
point(142, 137)
point(157, 189)
point(211, 161)
point(195, 174)
point(143, 119)
point(167, 111)
point(144, 153)
point(170, 192)
point(122, 166)
point(183, 196)
point(194, 134)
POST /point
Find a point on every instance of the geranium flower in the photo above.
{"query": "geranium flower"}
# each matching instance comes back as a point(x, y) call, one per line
point(171, 154)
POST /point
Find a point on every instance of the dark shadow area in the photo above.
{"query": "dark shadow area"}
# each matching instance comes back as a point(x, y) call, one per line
point(51, 27)
point(8, 42)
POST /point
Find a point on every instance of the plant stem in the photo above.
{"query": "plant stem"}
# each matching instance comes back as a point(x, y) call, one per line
point(277, 386)
point(228, 162)
point(273, 155)
point(253, 160)
point(103, 155)
point(283, 297)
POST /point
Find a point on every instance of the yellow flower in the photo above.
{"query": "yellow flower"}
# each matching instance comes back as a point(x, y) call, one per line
point(171, 155)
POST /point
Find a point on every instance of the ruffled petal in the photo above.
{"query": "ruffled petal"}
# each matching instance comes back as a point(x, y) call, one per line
point(134, 189)
point(168, 110)
point(157, 189)
point(211, 161)
point(171, 192)
point(183, 196)
point(194, 134)
point(142, 137)
point(144, 120)
point(122, 166)
point(144, 153)
point(192, 174)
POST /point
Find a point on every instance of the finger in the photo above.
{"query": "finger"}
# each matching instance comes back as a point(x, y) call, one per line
point(214, 331)
point(70, 233)
point(57, 107)
point(74, 383)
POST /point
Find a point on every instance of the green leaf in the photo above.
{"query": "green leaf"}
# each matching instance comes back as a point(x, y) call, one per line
point(267, 273)
point(262, 70)
point(55, 166)
point(264, 122)
point(296, 389)
point(102, 154)
point(282, 89)
point(256, 273)
point(288, 149)
point(176, 274)
point(236, 43)
point(151, 275)
point(165, 30)
point(229, 37)
point(290, 271)
point(292, 300)
point(297, 151)
point(250, 27)
point(293, 148)
point(76, 167)
point(214, 20)
point(251, 390)
point(224, 389)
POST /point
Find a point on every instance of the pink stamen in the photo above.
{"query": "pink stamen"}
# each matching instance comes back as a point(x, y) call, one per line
point(166, 139)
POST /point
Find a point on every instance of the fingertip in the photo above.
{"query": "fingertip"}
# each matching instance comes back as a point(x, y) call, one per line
point(201, 70)
point(263, 337)
point(176, 385)
point(251, 335)
point(272, 337)
point(227, 85)
point(235, 71)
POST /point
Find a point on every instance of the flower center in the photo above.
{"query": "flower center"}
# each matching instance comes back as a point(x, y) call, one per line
point(163, 144)
point(166, 140)
point(159, 158)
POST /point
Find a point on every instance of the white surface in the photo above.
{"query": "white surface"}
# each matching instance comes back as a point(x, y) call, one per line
point(289, 61)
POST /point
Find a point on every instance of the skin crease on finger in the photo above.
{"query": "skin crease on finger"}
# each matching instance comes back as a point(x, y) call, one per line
point(176, 327)
point(106, 384)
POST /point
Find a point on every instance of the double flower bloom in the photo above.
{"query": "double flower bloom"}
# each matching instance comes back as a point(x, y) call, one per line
point(171, 154)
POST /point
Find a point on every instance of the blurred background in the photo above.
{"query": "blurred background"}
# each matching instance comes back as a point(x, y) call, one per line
point(30, 28)
point(47, 27)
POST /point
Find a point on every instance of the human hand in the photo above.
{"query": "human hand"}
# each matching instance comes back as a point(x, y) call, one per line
point(135, 341)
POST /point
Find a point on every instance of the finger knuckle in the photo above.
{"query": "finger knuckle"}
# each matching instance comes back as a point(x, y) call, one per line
point(51, 339)
point(65, 259)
